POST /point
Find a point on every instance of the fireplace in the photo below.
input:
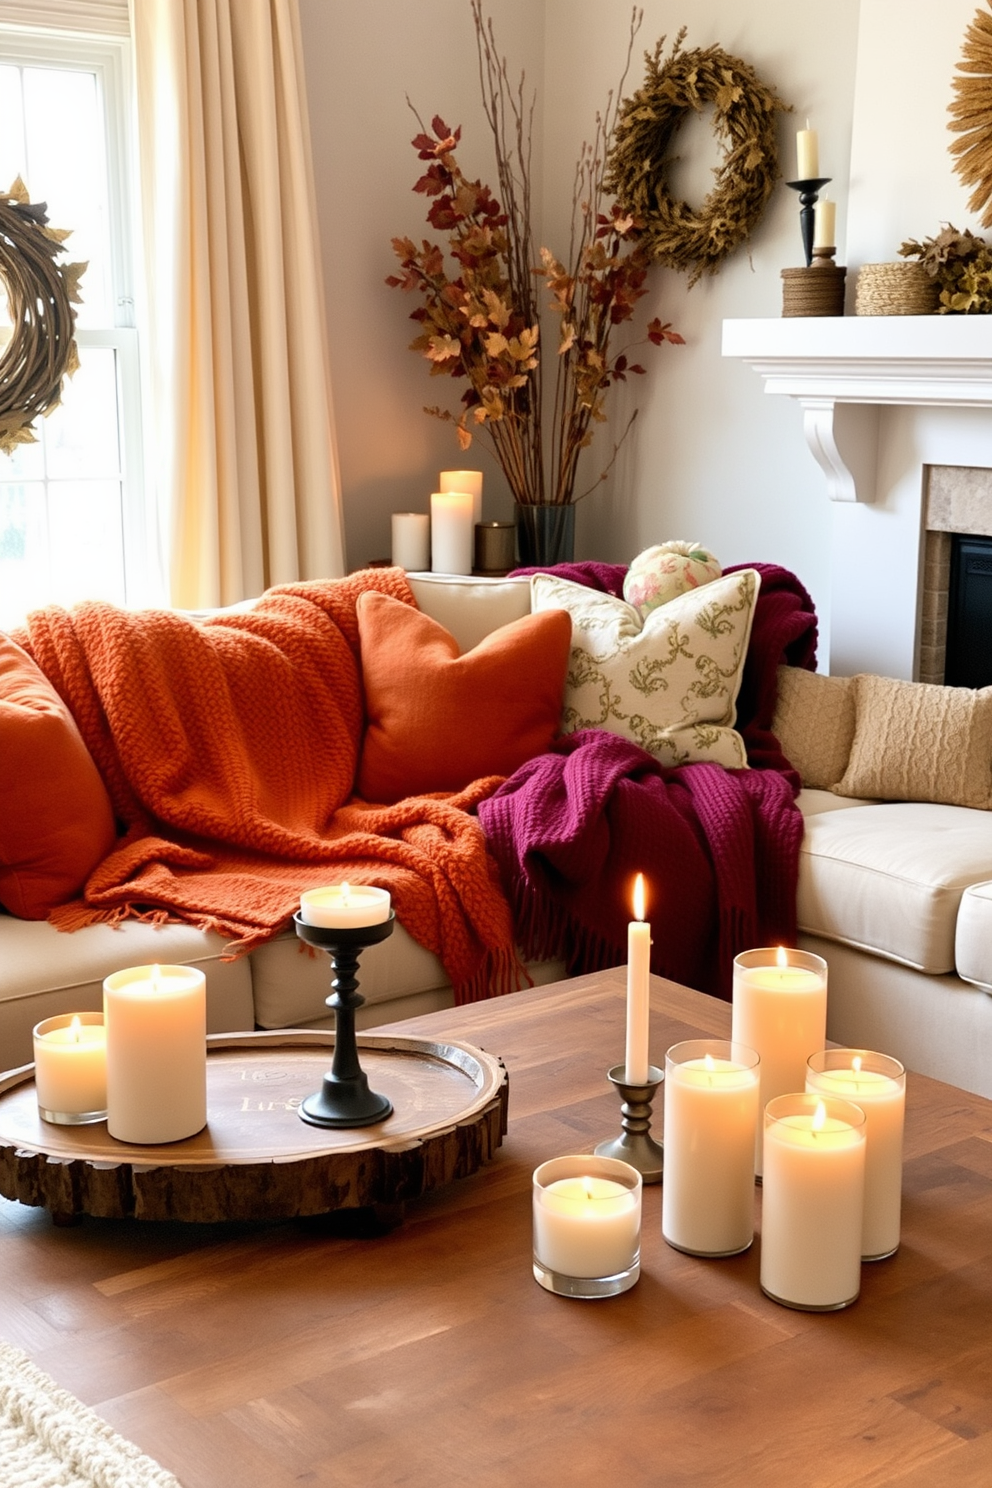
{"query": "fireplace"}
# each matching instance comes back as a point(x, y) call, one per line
point(956, 598)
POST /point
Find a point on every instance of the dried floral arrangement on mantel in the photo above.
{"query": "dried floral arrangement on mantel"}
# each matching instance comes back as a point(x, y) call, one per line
point(40, 295)
point(480, 319)
point(696, 240)
point(960, 265)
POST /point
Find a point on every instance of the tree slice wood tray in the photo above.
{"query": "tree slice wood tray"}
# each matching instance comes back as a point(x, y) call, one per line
point(256, 1159)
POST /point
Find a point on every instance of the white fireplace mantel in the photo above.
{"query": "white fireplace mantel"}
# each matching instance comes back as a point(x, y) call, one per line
point(842, 370)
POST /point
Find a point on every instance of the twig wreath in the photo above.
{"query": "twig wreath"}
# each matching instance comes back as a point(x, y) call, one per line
point(40, 296)
point(971, 116)
point(744, 118)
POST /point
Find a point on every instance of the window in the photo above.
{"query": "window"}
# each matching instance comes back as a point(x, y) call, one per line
point(72, 520)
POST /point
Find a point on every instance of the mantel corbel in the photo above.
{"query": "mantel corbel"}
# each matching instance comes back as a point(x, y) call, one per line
point(843, 440)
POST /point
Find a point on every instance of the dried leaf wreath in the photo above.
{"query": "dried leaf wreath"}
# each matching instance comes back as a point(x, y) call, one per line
point(40, 296)
point(744, 118)
point(971, 116)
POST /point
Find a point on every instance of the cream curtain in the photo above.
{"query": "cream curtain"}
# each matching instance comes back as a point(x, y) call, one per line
point(242, 441)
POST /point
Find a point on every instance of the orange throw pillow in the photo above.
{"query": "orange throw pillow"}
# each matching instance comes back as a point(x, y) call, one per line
point(56, 821)
point(437, 720)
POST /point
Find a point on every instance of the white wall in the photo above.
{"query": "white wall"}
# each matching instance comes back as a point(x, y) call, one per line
point(711, 457)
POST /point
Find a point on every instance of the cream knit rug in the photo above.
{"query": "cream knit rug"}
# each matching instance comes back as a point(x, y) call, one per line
point(49, 1439)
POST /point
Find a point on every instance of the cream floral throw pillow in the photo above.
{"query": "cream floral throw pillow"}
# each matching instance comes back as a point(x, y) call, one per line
point(669, 684)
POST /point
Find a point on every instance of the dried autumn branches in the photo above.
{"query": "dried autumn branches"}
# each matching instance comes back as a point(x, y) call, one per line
point(481, 321)
point(744, 111)
point(960, 263)
point(40, 296)
point(971, 116)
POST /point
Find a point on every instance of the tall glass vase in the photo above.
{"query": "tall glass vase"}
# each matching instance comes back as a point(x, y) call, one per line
point(545, 534)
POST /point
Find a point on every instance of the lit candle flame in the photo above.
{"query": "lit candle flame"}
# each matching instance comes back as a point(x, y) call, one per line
point(819, 1117)
point(587, 1187)
point(156, 974)
point(781, 958)
point(76, 1028)
point(639, 897)
point(708, 1061)
point(856, 1064)
point(346, 893)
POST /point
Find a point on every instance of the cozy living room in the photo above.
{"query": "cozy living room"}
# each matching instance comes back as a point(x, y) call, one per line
point(496, 723)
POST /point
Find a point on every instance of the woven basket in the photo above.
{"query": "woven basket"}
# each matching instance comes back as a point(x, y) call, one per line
point(818, 290)
point(895, 289)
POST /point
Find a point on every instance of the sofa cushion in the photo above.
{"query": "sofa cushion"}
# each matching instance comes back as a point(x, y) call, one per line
point(436, 719)
point(56, 821)
point(470, 607)
point(814, 723)
point(669, 685)
point(914, 741)
point(888, 877)
point(973, 936)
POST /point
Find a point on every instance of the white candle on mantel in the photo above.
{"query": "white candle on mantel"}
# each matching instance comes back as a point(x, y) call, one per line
point(345, 906)
point(780, 1010)
point(464, 480)
point(876, 1083)
point(70, 1068)
point(825, 224)
point(807, 154)
point(711, 1112)
point(586, 1222)
point(638, 990)
point(452, 532)
point(812, 1201)
point(156, 1020)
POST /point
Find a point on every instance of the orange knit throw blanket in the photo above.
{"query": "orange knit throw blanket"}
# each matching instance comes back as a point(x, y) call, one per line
point(229, 748)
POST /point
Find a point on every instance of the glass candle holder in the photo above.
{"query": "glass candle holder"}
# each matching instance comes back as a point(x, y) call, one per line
point(587, 1226)
point(779, 1010)
point(70, 1069)
point(876, 1083)
point(813, 1202)
point(711, 1113)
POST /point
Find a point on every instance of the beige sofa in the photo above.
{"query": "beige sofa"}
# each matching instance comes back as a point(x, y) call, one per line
point(895, 894)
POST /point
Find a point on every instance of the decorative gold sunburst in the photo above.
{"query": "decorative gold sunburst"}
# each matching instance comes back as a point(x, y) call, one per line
point(971, 116)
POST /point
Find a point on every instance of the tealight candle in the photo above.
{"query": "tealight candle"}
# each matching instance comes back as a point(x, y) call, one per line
point(156, 1020)
point(587, 1226)
point(876, 1083)
point(638, 990)
point(780, 1010)
point(812, 1202)
point(345, 906)
point(711, 1111)
point(452, 532)
point(70, 1068)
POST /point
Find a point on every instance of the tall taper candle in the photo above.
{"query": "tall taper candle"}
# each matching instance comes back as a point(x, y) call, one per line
point(807, 154)
point(638, 989)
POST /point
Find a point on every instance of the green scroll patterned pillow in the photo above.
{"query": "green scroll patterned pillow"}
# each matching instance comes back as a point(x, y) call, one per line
point(669, 684)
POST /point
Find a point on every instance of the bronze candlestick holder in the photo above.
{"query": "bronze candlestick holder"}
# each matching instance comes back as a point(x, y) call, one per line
point(635, 1145)
point(345, 1099)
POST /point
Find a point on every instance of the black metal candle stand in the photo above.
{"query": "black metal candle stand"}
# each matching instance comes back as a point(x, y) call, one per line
point(635, 1145)
point(345, 1099)
point(809, 192)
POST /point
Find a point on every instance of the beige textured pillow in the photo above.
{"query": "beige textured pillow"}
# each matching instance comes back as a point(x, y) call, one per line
point(914, 741)
point(814, 723)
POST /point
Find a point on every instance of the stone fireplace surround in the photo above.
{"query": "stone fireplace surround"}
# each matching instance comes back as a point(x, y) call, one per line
point(897, 412)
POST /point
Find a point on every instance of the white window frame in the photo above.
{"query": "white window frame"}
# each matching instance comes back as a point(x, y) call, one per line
point(109, 57)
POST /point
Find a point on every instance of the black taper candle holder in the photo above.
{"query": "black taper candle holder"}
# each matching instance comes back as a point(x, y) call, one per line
point(809, 192)
point(345, 1099)
point(635, 1145)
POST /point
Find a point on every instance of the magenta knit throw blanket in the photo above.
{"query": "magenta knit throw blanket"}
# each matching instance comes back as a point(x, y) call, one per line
point(719, 849)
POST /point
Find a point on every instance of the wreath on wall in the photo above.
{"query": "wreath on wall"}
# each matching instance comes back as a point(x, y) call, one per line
point(744, 119)
point(971, 116)
point(40, 295)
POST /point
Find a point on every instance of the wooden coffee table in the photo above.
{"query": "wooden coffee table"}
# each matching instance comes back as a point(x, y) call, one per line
point(269, 1355)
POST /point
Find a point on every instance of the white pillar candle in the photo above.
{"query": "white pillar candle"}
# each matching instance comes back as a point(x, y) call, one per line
point(711, 1113)
point(452, 532)
point(345, 906)
point(876, 1083)
point(156, 1020)
point(825, 224)
point(587, 1225)
point(807, 154)
point(70, 1068)
point(638, 990)
point(464, 480)
point(812, 1202)
point(780, 1010)
point(411, 534)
